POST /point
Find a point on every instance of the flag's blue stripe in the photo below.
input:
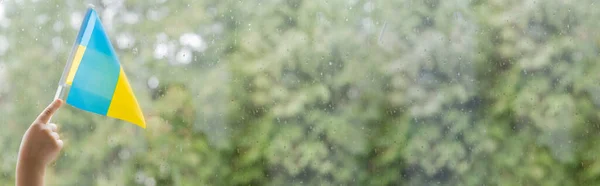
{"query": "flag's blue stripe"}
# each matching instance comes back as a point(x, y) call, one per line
point(83, 26)
point(96, 78)
point(88, 30)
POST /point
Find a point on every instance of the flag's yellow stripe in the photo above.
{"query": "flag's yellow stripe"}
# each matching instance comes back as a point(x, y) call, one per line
point(123, 105)
point(75, 64)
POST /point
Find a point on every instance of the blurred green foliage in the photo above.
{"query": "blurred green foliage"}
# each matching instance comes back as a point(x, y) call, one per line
point(337, 92)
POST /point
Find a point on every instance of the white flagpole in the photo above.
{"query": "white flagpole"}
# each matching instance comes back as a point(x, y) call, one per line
point(61, 83)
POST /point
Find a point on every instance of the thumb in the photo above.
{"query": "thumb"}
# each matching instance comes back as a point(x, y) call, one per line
point(45, 116)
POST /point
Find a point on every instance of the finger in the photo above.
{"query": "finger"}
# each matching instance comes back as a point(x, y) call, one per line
point(59, 143)
point(55, 135)
point(53, 127)
point(49, 111)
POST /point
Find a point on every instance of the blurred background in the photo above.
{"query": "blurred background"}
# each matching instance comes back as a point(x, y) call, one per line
point(336, 92)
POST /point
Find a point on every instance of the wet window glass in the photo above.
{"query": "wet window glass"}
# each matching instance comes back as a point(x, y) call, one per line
point(335, 92)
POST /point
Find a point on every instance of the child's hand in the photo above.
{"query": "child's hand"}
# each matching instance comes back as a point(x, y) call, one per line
point(40, 146)
point(41, 143)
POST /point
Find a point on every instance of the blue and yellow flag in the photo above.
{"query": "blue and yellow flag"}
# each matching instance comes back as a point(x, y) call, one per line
point(94, 80)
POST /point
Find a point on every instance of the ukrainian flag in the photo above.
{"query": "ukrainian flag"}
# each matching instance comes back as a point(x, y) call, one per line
point(94, 80)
